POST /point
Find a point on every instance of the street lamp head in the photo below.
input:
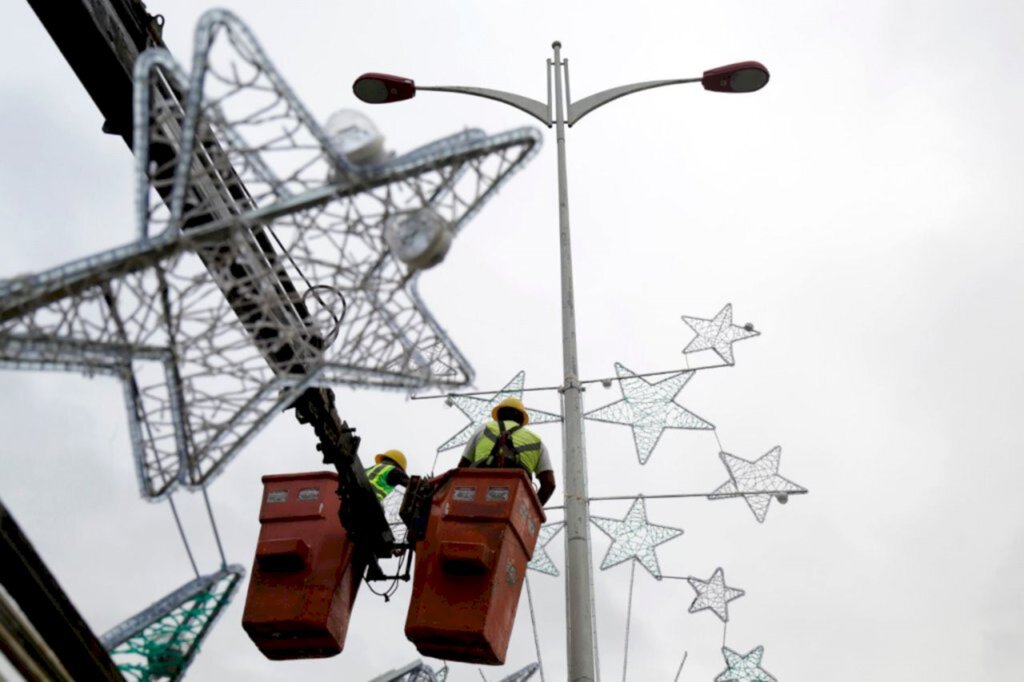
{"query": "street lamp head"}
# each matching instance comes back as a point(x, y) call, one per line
point(381, 88)
point(739, 77)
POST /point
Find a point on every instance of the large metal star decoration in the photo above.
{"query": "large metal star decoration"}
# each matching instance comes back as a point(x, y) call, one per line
point(541, 561)
point(717, 334)
point(479, 411)
point(745, 668)
point(261, 267)
point(649, 408)
point(713, 594)
point(748, 478)
point(634, 538)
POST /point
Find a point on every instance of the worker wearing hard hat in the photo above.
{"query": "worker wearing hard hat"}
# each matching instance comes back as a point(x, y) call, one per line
point(388, 472)
point(504, 442)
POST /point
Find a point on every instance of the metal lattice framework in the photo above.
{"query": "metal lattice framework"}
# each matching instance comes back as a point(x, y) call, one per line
point(479, 411)
point(750, 480)
point(161, 641)
point(649, 408)
point(634, 538)
point(261, 266)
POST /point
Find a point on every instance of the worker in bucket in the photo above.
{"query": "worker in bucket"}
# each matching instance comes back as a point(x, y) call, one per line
point(505, 443)
point(388, 472)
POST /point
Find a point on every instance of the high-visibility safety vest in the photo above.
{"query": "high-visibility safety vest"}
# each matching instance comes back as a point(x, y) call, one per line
point(523, 450)
point(378, 475)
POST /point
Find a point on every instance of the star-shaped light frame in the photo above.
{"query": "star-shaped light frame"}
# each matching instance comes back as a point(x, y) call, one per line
point(713, 594)
point(634, 538)
point(717, 334)
point(649, 408)
point(478, 410)
point(746, 668)
point(541, 561)
point(748, 479)
point(261, 267)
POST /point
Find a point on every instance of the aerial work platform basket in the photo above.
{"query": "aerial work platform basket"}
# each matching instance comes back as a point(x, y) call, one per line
point(471, 565)
point(305, 575)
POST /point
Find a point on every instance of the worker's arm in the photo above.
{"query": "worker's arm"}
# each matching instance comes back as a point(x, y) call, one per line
point(547, 486)
point(398, 477)
point(470, 449)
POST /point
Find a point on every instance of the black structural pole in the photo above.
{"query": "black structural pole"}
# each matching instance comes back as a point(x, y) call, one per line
point(26, 578)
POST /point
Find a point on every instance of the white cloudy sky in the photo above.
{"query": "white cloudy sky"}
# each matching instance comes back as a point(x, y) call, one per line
point(863, 211)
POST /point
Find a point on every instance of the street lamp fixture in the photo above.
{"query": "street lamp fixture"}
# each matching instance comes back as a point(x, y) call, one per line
point(560, 111)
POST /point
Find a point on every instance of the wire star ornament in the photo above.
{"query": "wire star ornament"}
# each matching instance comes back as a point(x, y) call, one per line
point(634, 538)
point(479, 411)
point(717, 334)
point(261, 267)
point(747, 478)
point(649, 408)
point(713, 594)
point(745, 668)
point(541, 561)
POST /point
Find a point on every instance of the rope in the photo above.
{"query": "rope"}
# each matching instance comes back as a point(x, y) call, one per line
point(680, 671)
point(181, 531)
point(216, 533)
point(533, 621)
point(629, 614)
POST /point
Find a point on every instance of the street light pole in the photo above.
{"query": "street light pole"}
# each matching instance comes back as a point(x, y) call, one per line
point(578, 571)
point(379, 88)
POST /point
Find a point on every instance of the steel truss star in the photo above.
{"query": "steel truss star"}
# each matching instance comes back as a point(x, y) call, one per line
point(541, 561)
point(261, 267)
point(717, 334)
point(748, 478)
point(634, 538)
point(744, 668)
point(479, 411)
point(649, 408)
point(713, 594)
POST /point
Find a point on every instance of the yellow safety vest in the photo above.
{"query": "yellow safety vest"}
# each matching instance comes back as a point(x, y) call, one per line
point(523, 451)
point(378, 475)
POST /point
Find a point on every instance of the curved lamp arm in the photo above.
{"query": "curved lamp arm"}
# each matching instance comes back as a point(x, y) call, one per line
point(578, 110)
point(538, 110)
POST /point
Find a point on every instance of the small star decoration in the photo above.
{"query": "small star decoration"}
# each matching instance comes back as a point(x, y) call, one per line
point(717, 334)
point(744, 668)
point(479, 411)
point(634, 538)
point(746, 478)
point(648, 408)
point(713, 594)
point(541, 561)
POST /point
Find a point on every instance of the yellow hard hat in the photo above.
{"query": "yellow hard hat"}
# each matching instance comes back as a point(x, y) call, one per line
point(512, 402)
point(396, 456)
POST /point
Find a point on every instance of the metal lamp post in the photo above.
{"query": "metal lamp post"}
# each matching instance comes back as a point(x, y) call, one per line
point(380, 88)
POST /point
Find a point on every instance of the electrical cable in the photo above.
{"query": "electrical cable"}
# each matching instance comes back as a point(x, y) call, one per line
point(213, 523)
point(629, 614)
point(181, 531)
point(533, 621)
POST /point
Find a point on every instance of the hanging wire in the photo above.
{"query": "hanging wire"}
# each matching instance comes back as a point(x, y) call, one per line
point(725, 628)
point(188, 550)
point(666, 496)
point(604, 380)
point(213, 523)
point(629, 614)
point(533, 621)
point(721, 448)
point(680, 671)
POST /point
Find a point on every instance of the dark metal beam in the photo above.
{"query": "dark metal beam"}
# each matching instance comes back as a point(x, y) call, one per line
point(26, 578)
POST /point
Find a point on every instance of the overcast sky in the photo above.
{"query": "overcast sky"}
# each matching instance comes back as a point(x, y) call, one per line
point(863, 210)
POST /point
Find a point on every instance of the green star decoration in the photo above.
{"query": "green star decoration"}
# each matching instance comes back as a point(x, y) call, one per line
point(717, 334)
point(713, 594)
point(744, 668)
point(750, 478)
point(479, 411)
point(649, 408)
point(634, 538)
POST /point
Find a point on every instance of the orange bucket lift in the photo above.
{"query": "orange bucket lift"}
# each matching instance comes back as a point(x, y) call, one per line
point(305, 575)
point(471, 564)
